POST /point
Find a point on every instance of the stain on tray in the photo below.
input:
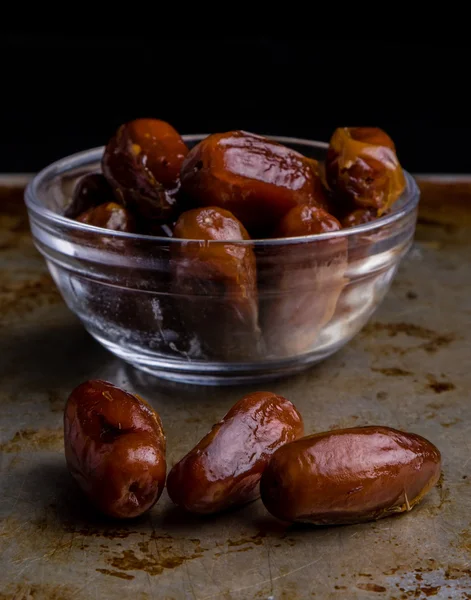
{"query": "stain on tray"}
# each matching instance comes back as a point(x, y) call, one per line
point(193, 420)
point(42, 591)
point(109, 534)
point(393, 571)
point(153, 558)
point(118, 574)
point(450, 423)
point(439, 386)
point(433, 341)
point(457, 572)
point(257, 540)
point(32, 439)
point(393, 372)
point(424, 578)
point(22, 293)
point(464, 540)
point(419, 592)
point(129, 561)
point(243, 549)
point(435, 405)
point(371, 587)
point(430, 590)
point(443, 491)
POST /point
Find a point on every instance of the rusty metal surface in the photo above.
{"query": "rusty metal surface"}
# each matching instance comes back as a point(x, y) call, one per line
point(409, 368)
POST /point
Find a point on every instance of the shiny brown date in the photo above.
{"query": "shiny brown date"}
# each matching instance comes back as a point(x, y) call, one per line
point(306, 220)
point(90, 190)
point(109, 216)
point(309, 285)
point(362, 168)
point(225, 467)
point(255, 178)
point(224, 272)
point(349, 475)
point(115, 448)
point(142, 163)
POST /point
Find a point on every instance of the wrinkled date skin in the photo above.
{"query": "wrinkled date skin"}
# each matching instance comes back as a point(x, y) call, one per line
point(308, 277)
point(142, 163)
point(109, 216)
point(257, 179)
point(224, 469)
point(349, 476)
point(221, 271)
point(362, 168)
point(115, 448)
point(90, 190)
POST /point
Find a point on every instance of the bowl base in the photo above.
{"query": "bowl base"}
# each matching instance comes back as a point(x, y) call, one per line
point(216, 374)
point(227, 378)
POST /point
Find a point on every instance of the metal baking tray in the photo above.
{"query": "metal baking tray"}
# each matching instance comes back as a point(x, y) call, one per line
point(408, 368)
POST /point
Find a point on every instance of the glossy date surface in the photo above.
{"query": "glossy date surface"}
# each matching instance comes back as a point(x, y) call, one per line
point(90, 190)
point(109, 216)
point(142, 163)
point(224, 468)
point(362, 169)
point(114, 448)
point(349, 475)
point(306, 220)
point(225, 272)
point(255, 178)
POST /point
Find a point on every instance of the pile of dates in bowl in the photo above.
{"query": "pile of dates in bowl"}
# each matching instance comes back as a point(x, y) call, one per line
point(225, 257)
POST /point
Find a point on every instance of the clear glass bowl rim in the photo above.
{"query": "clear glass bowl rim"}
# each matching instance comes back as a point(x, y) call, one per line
point(62, 166)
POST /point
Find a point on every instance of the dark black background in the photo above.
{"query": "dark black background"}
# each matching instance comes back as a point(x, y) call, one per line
point(62, 94)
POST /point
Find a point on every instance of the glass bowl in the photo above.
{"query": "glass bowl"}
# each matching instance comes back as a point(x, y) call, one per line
point(314, 293)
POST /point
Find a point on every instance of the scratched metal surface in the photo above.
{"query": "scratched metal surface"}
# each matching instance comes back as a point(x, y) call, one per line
point(409, 368)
